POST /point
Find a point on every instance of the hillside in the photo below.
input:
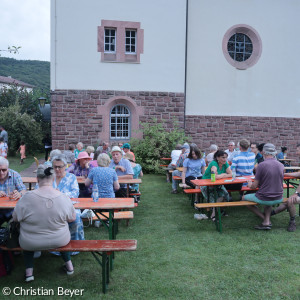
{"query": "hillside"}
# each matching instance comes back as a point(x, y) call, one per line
point(34, 72)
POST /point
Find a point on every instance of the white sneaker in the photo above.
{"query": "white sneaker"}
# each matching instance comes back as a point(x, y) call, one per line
point(198, 216)
point(37, 254)
point(204, 217)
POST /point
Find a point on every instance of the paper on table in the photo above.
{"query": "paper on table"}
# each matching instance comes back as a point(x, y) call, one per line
point(241, 178)
point(228, 180)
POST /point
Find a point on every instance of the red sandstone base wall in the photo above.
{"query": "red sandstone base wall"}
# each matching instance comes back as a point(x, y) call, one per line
point(219, 130)
point(79, 115)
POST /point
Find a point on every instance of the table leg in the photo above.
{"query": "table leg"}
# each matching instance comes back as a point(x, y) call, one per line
point(112, 236)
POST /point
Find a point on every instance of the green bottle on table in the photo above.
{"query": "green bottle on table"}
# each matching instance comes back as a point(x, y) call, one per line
point(213, 176)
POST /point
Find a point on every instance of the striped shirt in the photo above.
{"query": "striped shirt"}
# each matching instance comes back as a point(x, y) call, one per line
point(243, 163)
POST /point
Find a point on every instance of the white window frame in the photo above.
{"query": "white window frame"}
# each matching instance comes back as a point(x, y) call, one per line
point(130, 44)
point(125, 113)
point(110, 36)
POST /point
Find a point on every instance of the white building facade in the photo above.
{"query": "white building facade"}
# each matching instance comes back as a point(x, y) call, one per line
point(224, 70)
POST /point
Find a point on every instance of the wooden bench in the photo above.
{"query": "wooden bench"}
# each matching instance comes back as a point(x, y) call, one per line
point(192, 192)
point(218, 205)
point(104, 248)
point(120, 215)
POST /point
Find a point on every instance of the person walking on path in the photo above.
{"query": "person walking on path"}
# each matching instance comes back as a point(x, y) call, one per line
point(22, 150)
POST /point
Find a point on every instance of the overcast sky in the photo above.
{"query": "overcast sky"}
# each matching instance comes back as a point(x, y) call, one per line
point(25, 23)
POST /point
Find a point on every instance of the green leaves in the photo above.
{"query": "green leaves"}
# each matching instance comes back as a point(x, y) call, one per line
point(20, 127)
point(158, 141)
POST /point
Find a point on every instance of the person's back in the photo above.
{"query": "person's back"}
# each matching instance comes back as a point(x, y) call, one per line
point(70, 156)
point(270, 175)
point(104, 177)
point(244, 163)
point(175, 156)
point(44, 220)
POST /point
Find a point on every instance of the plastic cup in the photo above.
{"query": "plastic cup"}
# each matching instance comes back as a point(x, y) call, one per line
point(10, 192)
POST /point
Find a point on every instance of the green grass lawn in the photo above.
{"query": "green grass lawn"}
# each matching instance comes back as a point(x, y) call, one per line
point(14, 161)
point(179, 257)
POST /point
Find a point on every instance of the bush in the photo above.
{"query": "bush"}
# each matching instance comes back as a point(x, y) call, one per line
point(21, 127)
point(157, 142)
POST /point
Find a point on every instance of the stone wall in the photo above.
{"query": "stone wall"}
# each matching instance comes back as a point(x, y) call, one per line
point(206, 130)
point(75, 117)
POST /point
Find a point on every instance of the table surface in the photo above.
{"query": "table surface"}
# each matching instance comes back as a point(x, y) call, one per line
point(224, 181)
point(82, 180)
point(208, 182)
point(85, 203)
point(286, 159)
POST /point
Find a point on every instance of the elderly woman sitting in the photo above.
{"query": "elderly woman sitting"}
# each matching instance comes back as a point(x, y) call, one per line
point(44, 214)
point(106, 178)
point(68, 185)
point(81, 167)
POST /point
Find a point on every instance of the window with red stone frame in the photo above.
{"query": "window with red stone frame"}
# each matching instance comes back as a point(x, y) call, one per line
point(120, 41)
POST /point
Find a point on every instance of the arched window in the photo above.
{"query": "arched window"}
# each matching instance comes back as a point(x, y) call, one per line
point(120, 122)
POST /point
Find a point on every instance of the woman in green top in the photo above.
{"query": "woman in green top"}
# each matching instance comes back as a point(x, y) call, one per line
point(222, 169)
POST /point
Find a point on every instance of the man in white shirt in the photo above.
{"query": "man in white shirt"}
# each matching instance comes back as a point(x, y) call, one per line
point(230, 151)
point(174, 155)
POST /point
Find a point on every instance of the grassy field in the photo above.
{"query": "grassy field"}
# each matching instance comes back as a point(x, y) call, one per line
point(179, 257)
point(14, 162)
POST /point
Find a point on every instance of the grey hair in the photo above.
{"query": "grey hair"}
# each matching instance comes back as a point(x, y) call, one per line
point(90, 149)
point(60, 157)
point(103, 160)
point(213, 147)
point(4, 161)
point(232, 142)
point(44, 172)
point(269, 149)
point(53, 153)
point(79, 144)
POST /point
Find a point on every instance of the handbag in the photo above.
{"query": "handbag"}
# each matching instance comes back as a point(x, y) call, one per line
point(9, 235)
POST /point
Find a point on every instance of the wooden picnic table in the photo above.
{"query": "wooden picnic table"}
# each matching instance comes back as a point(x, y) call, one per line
point(104, 204)
point(81, 180)
point(292, 168)
point(286, 161)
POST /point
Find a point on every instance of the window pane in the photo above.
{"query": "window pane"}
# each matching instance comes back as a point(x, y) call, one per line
point(119, 122)
point(239, 47)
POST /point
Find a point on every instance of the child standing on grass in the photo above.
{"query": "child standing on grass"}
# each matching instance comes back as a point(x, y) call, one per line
point(22, 150)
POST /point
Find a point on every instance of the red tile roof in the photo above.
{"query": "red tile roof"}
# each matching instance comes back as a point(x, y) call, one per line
point(9, 80)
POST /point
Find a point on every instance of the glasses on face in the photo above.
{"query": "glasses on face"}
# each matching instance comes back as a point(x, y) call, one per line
point(230, 145)
point(3, 170)
point(58, 167)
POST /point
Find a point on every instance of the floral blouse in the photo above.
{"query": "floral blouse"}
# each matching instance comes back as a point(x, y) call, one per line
point(68, 185)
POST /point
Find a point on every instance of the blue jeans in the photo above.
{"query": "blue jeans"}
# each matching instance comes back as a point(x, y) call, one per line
point(175, 182)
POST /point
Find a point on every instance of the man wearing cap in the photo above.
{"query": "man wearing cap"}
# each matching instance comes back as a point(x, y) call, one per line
point(185, 150)
point(269, 179)
point(126, 149)
point(10, 183)
point(290, 204)
point(123, 169)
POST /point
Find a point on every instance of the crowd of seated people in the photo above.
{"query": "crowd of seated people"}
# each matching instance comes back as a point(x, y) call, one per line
point(250, 158)
point(56, 182)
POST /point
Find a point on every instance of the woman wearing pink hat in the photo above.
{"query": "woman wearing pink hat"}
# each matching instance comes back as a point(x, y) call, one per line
point(81, 167)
